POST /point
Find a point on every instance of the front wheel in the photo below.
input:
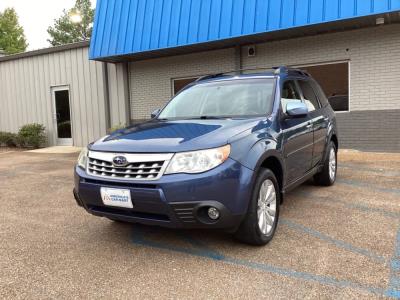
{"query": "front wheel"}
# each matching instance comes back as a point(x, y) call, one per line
point(259, 225)
point(327, 176)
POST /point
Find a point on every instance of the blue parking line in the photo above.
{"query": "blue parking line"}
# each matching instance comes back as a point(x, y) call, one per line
point(394, 280)
point(139, 239)
point(203, 248)
point(370, 186)
point(338, 243)
point(357, 167)
point(361, 207)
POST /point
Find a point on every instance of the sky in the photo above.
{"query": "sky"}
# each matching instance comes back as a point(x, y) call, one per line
point(36, 16)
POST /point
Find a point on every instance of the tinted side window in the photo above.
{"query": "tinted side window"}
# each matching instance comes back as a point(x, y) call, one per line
point(290, 93)
point(310, 98)
point(320, 93)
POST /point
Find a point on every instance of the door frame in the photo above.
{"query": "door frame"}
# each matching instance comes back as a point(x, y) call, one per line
point(61, 142)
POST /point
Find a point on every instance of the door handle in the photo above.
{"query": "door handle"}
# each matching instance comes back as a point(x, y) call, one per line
point(309, 125)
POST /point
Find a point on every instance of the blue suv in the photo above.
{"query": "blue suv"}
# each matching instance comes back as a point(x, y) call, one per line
point(221, 154)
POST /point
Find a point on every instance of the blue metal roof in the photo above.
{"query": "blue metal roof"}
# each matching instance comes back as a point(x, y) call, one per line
point(124, 27)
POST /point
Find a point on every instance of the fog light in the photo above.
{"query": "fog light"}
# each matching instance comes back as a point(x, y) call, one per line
point(213, 213)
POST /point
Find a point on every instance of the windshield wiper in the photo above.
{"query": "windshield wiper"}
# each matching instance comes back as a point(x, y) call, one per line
point(210, 118)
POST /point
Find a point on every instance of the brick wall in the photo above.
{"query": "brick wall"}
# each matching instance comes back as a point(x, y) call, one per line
point(151, 80)
point(370, 130)
point(374, 55)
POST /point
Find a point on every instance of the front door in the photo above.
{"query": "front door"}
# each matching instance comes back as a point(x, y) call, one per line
point(297, 137)
point(62, 116)
point(319, 121)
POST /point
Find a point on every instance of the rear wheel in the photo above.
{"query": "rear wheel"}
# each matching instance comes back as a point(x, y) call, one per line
point(327, 176)
point(261, 220)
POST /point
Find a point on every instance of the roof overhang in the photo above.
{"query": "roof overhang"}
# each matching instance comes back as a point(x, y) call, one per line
point(45, 51)
point(309, 30)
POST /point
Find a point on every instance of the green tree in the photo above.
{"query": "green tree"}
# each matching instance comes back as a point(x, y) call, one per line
point(12, 37)
point(74, 25)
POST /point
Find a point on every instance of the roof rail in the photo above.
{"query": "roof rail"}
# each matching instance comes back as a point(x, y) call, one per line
point(284, 69)
point(210, 76)
point(275, 70)
point(235, 72)
point(280, 70)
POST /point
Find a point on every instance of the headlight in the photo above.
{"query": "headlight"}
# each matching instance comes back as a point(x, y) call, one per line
point(198, 161)
point(82, 159)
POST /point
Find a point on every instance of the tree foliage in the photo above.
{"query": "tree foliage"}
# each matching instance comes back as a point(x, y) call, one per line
point(65, 31)
point(12, 37)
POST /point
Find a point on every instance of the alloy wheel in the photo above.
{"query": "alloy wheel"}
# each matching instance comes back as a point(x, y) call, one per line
point(266, 209)
point(332, 164)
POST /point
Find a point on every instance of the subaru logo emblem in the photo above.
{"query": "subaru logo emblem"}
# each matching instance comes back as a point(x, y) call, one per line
point(120, 161)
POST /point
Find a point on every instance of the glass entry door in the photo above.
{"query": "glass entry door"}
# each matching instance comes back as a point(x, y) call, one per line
point(62, 116)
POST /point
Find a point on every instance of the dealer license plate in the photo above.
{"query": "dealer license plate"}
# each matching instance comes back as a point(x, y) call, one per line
point(116, 197)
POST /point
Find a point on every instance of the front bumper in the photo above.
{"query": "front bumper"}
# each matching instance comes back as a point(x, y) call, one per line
point(178, 200)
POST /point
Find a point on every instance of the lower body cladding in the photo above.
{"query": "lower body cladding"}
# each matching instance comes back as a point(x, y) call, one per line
point(218, 198)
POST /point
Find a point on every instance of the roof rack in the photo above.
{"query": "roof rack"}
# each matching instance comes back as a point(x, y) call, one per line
point(275, 70)
point(210, 76)
point(286, 70)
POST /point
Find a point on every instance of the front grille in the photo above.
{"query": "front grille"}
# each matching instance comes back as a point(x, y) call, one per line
point(147, 170)
point(101, 165)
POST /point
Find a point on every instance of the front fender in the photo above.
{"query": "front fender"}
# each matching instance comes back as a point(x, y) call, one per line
point(257, 155)
point(260, 152)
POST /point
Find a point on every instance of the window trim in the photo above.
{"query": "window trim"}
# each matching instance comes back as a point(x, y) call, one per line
point(348, 61)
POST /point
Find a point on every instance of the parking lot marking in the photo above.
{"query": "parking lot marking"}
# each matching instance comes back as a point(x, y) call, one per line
point(139, 239)
point(207, 251)
point(356, 183)
point(338, 243)
point(394, 280)
point(357, 167)
point(361, 207)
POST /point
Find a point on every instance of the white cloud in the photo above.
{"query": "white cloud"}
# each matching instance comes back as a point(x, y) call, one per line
point(36, 16)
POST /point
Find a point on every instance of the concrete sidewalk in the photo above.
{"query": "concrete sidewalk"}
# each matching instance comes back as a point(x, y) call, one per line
point(57, 150)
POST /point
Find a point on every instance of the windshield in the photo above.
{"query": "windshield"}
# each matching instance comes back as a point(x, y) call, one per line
point(234, 98)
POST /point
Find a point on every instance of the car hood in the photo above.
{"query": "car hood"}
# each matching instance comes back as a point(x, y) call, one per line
point(158, 136)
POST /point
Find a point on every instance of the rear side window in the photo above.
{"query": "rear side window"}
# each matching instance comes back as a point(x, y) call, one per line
point(310, 98)
point(290, 93)
point(320, 93)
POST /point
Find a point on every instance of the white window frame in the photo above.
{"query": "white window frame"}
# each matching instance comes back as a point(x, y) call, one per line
point(57, 141)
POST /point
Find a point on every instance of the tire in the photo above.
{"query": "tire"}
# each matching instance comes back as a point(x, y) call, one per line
point(250, 231)
point(327, 176)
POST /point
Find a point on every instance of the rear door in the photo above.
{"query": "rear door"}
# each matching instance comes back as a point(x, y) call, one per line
point(297, 136)
point(319, 121)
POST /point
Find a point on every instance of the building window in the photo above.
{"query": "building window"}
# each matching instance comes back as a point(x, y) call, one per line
point(334, 80)
point(179, 84)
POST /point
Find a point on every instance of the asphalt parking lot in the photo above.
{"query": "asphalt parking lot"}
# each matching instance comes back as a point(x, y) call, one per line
point(338, 242)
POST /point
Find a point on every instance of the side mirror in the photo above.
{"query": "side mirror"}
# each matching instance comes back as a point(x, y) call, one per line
point(296, 109)
point(155, 113)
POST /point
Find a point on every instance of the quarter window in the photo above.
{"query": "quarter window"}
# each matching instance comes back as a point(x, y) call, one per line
point(310, 98)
